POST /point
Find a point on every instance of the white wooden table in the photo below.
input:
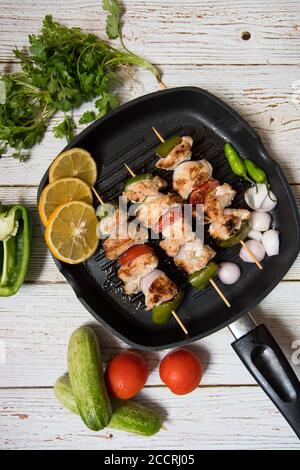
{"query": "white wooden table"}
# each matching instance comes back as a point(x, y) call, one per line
point(199, 43)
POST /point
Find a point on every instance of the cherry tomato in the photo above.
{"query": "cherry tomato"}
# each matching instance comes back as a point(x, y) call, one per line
point(181, 370)
point(198, 194)
point(168, 218)
point(134, 252)
point(126, 374)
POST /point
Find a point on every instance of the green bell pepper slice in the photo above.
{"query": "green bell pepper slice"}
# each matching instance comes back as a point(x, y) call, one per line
point(106, 209)
point(14, 248)
point(200, 279)
point(241, 234)
point(164, 148)
point(162, 313)
point(137, 179)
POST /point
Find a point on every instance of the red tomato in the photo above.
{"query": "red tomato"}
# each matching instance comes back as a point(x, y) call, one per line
point(168, 218)
point(181, 370)
point(126, 374)
point(134, 252)
point(198, 194)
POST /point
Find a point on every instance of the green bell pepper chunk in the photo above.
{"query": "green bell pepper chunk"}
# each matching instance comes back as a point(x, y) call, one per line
point(241, 234)
point(14, 249)
point(162, 313)
point(164, 148)
point(200, 279)
point(137, 179)
point(105, 210)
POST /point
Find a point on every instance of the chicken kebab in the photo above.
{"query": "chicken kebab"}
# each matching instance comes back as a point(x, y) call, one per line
point(127, 243)
point(193, 181)
point(165, 214)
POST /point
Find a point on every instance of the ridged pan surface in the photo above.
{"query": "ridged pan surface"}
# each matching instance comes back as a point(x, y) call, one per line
point(125, 136)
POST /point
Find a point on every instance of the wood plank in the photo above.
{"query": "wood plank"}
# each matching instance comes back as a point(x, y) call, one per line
point(263, 95)
point(224, 418)
point(37, 324)
point(181, 32)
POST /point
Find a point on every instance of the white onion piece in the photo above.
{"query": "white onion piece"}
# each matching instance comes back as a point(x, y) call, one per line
point(258, 199)
point(257, 249)
point(260, 221)
point(229, 273)
point(270, 240)
point(146, 281)
point(255, 235)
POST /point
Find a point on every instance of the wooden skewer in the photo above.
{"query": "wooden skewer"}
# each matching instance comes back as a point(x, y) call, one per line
point(130, 170)
point(218, 290)
point(158, 135)
point(98, 196)
point(251, 254)
point(180, 322)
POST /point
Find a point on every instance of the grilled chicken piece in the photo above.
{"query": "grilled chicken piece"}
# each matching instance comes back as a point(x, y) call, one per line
point(157, 289)
point(132, 273)
point(115, 246)
point(232, 219)
point(193, 256)
point(216, 200)
point(175, 235)
point(150, 211)
point(137, 192)
point(109, 225)
point(188, 175)
point(178, 154)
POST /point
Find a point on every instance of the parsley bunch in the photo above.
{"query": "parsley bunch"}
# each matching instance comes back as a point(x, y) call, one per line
point(63, 68)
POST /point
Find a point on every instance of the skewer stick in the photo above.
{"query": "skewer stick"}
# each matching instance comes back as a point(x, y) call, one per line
point(98, 196)
point(218, 290)
point(252, 255)
point(180, 322)
point(158, 135)
point(130, 170)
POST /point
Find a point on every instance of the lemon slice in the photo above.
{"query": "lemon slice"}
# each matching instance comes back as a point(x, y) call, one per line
point(71, 232)
point(61, 191)
point(74, 162)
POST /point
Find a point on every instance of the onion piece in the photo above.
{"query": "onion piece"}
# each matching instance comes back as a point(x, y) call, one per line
point(258, 199)
point(270, 240)
point(257, 249)
point(147, 280)
point(229, 273)
point(255, 235)
point(260, 221)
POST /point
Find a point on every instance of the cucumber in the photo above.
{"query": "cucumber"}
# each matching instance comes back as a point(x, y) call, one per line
point(87, 380)
point(127, 415)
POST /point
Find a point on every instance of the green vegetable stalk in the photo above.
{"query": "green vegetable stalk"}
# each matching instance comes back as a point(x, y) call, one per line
point(15, 240)
point(62, 69)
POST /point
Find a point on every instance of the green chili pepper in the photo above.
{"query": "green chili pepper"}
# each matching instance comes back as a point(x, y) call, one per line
point(237, 164)
point(200, 279)
point(162, 313)
point(137, 179)
point(164, 148)
point(239, 235)
point(257, 174)
point(15, 241)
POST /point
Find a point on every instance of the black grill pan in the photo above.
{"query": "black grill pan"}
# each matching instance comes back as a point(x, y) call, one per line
point(125, 135)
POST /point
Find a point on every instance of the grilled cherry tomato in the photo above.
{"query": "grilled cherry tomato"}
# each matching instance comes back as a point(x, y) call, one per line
point(239, 235)
point(134, 252)
point(167, 219)
point(164, 148)
point(181, 370)
point(126, 374)
point(137, 179)
point(200, 279)
point(198, 194)
point(162, 313)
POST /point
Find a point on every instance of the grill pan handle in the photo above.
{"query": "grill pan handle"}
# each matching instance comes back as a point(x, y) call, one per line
point(265, 360)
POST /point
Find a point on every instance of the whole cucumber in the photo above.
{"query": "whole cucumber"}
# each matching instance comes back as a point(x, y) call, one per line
point(87, 380)
point(126, 416)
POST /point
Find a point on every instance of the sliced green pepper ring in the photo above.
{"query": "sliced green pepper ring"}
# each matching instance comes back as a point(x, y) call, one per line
point(241, 234)
point(200, 279)
point(137, 179)
point(106, 209)
point(162, 313)
point(164, 148)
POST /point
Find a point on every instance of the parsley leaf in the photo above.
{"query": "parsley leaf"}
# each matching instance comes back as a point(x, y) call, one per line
point(113, 19)
point(65, 129)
